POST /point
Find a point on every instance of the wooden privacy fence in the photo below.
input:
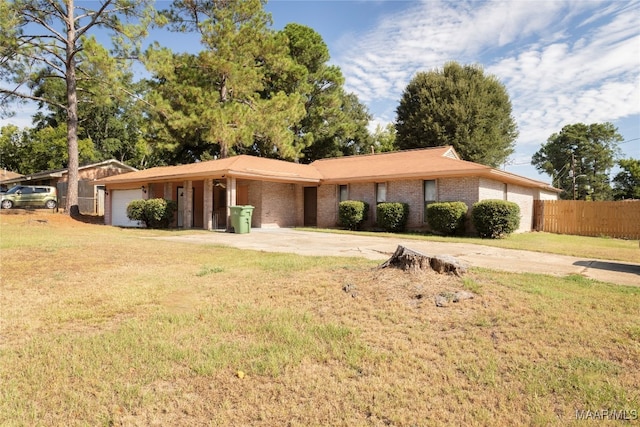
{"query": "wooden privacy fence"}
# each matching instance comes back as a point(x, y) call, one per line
point(577, 217)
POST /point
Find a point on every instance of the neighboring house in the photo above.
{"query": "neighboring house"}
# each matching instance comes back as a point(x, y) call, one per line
point(90, 195)
point(287, 194)
point(6, 175)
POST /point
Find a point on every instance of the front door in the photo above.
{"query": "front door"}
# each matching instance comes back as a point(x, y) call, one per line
point(310, 206)
point(242, 195)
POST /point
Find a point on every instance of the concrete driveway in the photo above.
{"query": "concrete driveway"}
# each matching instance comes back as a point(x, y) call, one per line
point(381, 248)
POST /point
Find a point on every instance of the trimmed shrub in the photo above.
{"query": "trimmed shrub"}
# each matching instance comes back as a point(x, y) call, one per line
point(495, 218)
point(154, 213)
point(447, 217)
point(135, 210)
point(352, 213)
point(392, 216)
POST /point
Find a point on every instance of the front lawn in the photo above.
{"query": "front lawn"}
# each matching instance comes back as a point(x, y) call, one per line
point(100, 326)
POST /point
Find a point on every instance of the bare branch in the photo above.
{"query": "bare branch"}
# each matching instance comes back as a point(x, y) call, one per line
point(94, 19)
point(49, 28)
point(15, 93)
point(57, 7)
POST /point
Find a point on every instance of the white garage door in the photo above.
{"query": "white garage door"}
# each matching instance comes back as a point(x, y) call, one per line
point(120, 199)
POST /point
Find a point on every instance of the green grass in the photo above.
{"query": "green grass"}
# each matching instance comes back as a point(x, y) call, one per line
point(107, 327)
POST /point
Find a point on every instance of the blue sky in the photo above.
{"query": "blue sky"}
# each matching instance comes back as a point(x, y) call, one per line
point(562, 62)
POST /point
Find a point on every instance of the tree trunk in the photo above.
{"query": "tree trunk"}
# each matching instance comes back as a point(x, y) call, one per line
point(409, 260)
point(71, 207)
point(224, 147)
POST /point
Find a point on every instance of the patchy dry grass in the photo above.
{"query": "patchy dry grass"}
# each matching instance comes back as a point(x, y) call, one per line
point(100, 326)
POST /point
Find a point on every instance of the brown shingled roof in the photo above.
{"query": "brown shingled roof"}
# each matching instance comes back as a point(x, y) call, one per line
point(423, 163)
point(241, 166)
point(429, 163)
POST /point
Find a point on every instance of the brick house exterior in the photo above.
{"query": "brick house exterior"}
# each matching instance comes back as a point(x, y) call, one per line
point(286, 194)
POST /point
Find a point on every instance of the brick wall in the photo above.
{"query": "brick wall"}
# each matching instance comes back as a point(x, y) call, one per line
point(327, 206)
point(397, 191)
point(458, 190)
point(107, 208)
point(365, 192)
point(547, 195)
point(412, 193)
point(524, 198)
point(491, 189)
point(276, 204)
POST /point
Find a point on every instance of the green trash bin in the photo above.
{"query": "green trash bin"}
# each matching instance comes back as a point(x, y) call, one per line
point(241, 218)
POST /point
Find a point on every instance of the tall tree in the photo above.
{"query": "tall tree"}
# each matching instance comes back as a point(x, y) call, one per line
point(459, 106)
point(335, 122)
point(44, 40)
point(579, 159)
point(626, 183)
point(218, 102)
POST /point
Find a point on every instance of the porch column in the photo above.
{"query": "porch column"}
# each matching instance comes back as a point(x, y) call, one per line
point(168, 191)
point(187, 210)
point(207, 204)
point(231, 198)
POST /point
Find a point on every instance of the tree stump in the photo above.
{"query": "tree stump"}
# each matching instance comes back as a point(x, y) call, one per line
point(409, 260)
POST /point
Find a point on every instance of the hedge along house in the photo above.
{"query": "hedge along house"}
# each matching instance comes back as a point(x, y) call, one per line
point(420, 177)
point(287, 194)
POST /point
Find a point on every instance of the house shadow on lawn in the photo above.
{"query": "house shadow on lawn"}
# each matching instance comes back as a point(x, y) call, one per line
point(610, 266)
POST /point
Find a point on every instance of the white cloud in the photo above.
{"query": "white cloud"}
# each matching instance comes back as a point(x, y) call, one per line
point(561, 61)
point(22, 117)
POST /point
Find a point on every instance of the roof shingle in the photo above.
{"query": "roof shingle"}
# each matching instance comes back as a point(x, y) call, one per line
point(429, 163)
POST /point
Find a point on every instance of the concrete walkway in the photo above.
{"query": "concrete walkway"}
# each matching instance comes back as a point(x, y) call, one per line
point(381, 248)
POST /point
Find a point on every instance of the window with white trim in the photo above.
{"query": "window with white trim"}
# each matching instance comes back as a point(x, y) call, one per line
point(381, 192)
point(343, 193)
point(430, 195)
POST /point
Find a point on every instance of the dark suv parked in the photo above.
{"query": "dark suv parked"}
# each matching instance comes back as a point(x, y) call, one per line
point(22, 196)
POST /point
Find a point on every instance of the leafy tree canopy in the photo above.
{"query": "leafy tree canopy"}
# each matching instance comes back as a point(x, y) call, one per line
point(384, 138)
point(579, 159)
point(39, 149)
point(626, 183)
point(335, 123)
point(459, 106)
point(218, 101)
